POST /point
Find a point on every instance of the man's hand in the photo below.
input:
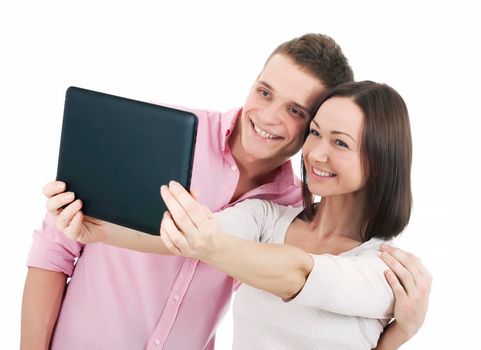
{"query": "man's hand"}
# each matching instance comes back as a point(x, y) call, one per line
point(411, 285)
point(70, 220)
point(188, 228)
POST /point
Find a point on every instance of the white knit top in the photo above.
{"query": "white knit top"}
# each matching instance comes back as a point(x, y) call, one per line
point(344, 304)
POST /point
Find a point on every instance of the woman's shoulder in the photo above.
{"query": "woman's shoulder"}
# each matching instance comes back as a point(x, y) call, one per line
point(370, 247)
point(268, 209)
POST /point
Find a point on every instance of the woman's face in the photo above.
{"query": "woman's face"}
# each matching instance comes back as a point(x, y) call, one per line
point(331, 152)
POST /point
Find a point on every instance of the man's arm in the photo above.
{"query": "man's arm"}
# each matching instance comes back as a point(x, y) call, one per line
point(392, 338)
point(42, 297)
point(410, 282)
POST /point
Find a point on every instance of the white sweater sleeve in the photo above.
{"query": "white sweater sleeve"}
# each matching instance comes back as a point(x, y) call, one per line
point(244, 220)
point(257, 220)
point(352, 285)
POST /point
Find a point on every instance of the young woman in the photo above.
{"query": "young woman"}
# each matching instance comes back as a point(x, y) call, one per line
point(317, 280)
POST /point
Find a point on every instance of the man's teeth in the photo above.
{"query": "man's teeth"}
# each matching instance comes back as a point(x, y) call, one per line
point(264, 134)
point(322, 173)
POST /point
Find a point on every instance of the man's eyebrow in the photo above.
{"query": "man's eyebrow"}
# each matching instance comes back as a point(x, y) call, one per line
point(335, 132)
point(305, 109)
point(269, 86)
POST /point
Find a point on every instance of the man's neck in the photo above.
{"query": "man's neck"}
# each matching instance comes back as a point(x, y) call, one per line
point(252, 172)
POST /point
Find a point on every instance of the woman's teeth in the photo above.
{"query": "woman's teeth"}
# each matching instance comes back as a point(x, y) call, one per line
point(322, 173)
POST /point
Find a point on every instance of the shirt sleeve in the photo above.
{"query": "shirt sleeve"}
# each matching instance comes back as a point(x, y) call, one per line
point(52, 250)
point(348, 285)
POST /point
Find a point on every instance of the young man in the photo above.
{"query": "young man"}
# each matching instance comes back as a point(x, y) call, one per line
point(121, 299)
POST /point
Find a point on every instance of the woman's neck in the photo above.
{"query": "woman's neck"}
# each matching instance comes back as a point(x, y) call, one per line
point(339, 217)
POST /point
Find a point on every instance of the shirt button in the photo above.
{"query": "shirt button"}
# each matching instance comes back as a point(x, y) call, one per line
point(176, 297)
point(157, 342)
point(234, 168)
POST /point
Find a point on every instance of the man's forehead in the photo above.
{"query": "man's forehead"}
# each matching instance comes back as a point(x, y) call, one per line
point(290, 81)
point(300, 95)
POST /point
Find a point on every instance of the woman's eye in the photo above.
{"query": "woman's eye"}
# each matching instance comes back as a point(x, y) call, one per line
point(314, 132)
point(341, 143)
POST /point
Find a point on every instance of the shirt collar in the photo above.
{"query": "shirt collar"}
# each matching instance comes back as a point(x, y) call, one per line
point(285, 176)
point(227, 124)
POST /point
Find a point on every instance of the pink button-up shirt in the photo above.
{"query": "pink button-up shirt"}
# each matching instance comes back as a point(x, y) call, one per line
point(122, 299)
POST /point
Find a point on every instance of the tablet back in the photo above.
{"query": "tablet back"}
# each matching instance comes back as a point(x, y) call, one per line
point(115, 153)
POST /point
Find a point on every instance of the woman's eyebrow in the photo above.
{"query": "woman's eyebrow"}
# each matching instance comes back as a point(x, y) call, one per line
point(335, 132)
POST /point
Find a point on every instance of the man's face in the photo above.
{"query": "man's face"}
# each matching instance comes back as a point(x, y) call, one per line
point(277, 110)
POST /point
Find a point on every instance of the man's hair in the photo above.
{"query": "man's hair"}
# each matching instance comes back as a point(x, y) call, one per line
point(386, 153)
point(319, 55)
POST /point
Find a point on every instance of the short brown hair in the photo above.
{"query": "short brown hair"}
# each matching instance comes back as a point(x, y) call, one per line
point(319, 55)
point(386, 153)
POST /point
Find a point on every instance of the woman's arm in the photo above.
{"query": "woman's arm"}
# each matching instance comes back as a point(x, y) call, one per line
point(190, 229)
point(279, 269)
point(323, 281)
point(353, 285)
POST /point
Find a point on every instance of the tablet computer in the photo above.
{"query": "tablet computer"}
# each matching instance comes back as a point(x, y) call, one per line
point(115, 153)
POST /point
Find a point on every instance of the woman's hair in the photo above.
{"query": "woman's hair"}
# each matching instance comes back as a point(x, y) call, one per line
point(386, 153)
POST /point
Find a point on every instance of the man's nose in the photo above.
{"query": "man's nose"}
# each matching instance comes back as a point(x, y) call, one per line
point(271, 114)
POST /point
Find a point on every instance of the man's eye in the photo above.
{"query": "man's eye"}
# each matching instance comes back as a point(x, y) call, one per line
point(314, 132)
point(296, 112)
point(263, 93)
point(341, 143)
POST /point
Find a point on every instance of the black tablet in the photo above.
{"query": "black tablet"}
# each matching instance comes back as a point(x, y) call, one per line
point(115, 153)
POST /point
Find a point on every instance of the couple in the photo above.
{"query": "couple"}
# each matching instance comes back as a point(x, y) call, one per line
point(123, 299)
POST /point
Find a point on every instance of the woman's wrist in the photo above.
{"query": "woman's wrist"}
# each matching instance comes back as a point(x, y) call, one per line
point(218, 249)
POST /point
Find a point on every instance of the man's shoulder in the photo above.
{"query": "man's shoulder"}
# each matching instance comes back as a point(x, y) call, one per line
point(207, 115)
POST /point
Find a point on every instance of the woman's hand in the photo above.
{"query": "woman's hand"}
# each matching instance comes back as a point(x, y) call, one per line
point(188, 228)
point(69, 219)
point(411, 285)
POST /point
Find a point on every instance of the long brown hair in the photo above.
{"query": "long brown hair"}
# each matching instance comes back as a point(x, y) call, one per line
point(386, 153)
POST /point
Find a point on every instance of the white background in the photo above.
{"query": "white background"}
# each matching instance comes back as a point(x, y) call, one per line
point(206, 54)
